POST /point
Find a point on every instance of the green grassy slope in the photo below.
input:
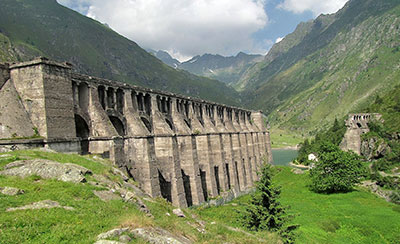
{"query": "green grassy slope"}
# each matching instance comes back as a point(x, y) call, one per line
point(354, 217)
point(44, 27)
point(388, 104)
point(91, 216)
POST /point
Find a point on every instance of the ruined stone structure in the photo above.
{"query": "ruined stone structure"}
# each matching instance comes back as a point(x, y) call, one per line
point(183, 149)
point(357, 124)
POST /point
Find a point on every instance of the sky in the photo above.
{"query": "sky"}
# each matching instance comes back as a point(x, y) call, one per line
point(185, 28)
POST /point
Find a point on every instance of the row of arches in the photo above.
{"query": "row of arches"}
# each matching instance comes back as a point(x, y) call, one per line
point(361, 117)
point(112, 101)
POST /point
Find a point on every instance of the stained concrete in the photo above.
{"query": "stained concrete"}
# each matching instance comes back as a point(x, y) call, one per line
point(183, 149)
point(356, 124)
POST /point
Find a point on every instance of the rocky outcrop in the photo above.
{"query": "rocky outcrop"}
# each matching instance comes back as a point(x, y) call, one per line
point(107, 195)
point(47, 169)
point(11, 191)
point(374, 148)
point(39, 205)
point(149, 234)
point(376, 189)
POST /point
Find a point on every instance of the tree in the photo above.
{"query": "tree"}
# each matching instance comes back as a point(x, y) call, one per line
point(305, 149)
point(336, 170)
point(265, 212)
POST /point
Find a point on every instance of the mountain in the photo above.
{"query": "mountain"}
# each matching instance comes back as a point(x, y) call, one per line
point(328, 67)
point(165, 57)
point(226, 69)
point(45, 28)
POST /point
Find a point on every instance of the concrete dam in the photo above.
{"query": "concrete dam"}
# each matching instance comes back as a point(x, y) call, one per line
point(183, 149)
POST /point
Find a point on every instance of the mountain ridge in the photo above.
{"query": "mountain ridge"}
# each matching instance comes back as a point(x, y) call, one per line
point(227, 69)
point(341, 63)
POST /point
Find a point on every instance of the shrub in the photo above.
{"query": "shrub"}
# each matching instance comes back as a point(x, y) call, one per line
point(336, 170)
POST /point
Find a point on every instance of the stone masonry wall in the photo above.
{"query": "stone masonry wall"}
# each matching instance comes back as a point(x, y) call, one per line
point(357, 124)
point(183, 149)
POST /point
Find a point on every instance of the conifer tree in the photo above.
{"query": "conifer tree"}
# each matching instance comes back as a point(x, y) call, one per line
point(265, 212)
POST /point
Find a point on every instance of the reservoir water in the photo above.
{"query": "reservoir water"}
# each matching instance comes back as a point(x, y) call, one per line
point(283, 156)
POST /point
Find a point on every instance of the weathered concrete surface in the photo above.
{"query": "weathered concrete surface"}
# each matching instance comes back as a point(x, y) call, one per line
point(46, 169)
point(4, 74)
point(45, 91)
point(183, 149)
point(14, 120)
point(357, 124)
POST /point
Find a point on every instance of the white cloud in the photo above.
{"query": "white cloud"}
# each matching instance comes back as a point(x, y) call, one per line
point(317, 7)
point(279, 39)
point(81, 6)
point(184, 28)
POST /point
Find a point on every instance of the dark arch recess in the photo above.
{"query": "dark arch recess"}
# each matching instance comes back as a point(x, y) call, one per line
point(118, 125)
point(169, 124)
point(82, 132)
point(146, 123)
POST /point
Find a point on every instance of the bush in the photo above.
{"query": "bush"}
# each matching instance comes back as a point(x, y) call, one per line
point(333, 135)
point(336, 170)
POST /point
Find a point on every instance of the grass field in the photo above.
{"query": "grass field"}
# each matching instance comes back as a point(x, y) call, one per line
point(91, 216)
point(354, 217)
point(282, 139)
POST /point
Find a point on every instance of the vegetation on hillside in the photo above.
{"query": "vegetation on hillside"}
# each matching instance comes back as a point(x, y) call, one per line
point(336, 65)
point(92, 216)
point(381, 145)
point(386, 165)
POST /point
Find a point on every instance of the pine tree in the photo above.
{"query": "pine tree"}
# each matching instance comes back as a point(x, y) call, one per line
point(265, 212)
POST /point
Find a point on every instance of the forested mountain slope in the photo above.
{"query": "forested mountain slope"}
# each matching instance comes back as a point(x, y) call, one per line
point(329, 67)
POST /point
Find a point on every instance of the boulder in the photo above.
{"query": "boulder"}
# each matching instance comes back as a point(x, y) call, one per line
point(112, 233)
point(108, 242)
point(297, 171)
point(11, 191)
point(178, 212)
point(159, 236)
point(47, 169)
point(39, 205)
point(107, 196)
point(125, 239)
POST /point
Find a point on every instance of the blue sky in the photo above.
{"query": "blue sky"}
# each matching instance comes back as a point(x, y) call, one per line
point(186, 28)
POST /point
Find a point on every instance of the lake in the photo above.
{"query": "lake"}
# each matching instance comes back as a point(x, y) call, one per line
point(283, 156)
